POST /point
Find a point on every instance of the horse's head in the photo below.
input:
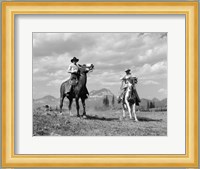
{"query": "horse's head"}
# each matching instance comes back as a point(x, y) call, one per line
point(132, 80)
point(85, 68)
point(131, 83)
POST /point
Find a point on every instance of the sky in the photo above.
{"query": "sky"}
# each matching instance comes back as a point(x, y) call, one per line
point(111, 53)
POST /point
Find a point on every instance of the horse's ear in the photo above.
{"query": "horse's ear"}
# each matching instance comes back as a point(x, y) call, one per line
point(92, 66)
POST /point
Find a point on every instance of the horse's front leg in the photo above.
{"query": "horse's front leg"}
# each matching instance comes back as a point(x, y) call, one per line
point(70, 106)
point(77, 107)
point(123, 110)
point(134, 113)
point(83, 103)
point(129, 108)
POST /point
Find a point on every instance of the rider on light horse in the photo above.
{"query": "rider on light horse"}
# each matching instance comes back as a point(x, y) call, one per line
point(124, 86)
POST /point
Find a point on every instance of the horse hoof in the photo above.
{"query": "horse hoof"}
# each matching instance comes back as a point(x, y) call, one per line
point(84, 116)
point(78, 116)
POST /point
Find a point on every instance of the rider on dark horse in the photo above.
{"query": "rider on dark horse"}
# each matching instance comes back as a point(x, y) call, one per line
point(75, 74)
point(74, 70)
point(124, 86)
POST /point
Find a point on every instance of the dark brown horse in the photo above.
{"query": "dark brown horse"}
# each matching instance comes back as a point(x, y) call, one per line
point(79, 91)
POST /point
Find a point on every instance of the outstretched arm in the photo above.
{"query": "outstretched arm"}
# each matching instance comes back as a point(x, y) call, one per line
point(123, 85)
point(122, 78)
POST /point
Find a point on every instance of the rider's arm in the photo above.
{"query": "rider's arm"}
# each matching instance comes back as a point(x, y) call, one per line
point(122, 78)
point(69, 69)
point(123, 84)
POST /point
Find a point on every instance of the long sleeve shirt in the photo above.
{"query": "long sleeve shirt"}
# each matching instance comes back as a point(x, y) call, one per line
point(72, 68)
point(124, 81)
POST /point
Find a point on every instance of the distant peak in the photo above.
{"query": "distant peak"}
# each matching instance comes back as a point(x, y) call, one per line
point(101, 92)
point(155, 99)
point(48, 96)
point(104, 89)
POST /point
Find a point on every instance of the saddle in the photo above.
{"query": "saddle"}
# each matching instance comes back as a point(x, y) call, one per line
point(70, 85)
point(133, 97)
point(74, 79)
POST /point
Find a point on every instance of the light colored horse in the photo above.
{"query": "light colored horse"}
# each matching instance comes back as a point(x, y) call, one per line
point(129, 100)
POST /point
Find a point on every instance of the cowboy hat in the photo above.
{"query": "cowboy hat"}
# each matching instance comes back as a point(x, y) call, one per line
point(74, 59)
point(127, 70)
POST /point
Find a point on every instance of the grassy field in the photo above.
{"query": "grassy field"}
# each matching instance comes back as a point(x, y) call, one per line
point(102, 123)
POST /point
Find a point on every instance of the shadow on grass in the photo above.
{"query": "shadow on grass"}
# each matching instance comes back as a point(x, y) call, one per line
point(146, 119)
point(89, 117)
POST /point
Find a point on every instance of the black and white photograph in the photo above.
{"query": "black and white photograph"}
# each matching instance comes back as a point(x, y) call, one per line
point(99, 83)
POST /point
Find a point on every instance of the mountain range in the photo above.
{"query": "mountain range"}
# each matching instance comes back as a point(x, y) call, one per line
point(96, 99)
point(100, 93)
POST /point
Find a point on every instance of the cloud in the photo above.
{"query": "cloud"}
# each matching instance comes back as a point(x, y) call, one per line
point(107, 51)
point(40, 78)
point(58, 74)
point(156, 53)
point(52, 44)
point(35, 70)
point(111, 53)
point(56, 82)
point(147, 69)
point(163, 91)
point(50, 66)
point(106, 45)
point(40, 38)
point(150, 82)
point(154, 76)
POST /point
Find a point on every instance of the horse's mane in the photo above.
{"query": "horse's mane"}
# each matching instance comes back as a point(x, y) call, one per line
point(132, 80)
point(81, 65)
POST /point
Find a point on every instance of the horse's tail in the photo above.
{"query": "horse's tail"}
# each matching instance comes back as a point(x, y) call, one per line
point(62, 90)
point(63, 87)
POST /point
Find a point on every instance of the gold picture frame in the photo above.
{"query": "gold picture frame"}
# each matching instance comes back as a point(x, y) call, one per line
point(10, 9)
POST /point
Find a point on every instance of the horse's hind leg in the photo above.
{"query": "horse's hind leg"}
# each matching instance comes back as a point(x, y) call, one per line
point(70, 106)
point(61, 103)
point(77, 107)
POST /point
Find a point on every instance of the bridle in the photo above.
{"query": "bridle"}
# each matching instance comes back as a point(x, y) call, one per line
point(87, 68)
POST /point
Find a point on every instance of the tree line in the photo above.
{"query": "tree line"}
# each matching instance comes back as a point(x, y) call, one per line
point(150, 105)
point(107, 103)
